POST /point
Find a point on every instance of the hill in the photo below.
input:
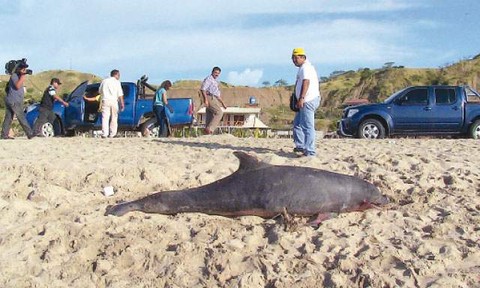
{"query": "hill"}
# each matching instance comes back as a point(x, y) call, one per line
point(372, 84)
point(376, 85)
point(272, 100)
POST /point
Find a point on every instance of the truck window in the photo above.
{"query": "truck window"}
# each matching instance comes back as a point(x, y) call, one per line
point(445, 96)
point(126, 91)
point(472, 95)
point(415, 97)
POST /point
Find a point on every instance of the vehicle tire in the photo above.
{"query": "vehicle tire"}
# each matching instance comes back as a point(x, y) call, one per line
point(475, 130)
point(371, 129)
point(150, 128)
point(51, 129)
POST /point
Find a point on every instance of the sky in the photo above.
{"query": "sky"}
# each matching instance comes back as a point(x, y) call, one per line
point(251, 40)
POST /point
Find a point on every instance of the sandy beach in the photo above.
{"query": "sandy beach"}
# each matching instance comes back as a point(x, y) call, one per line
point(54, 232)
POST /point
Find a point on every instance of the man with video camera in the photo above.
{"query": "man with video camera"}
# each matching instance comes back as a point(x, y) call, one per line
point(14, 100)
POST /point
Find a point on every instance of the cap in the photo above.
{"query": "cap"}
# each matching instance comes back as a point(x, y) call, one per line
point(56, 80)
point(298, 52)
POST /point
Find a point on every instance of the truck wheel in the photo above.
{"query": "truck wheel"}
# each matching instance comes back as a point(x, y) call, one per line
point(475, 130)
point(371, 129)
point(51, 129)
point(150, 128)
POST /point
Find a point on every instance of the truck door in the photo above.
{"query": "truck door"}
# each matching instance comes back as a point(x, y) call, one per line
point(74, 112)
point(182, 111)
point(447, 111)
point(412, 111)
point(125, 117)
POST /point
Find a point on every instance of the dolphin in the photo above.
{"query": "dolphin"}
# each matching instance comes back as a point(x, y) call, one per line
point(261, 189)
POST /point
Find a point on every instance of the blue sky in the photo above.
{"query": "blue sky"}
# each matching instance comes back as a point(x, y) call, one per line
point(250, 40)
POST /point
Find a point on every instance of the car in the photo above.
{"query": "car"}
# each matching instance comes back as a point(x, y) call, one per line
point(416, 110)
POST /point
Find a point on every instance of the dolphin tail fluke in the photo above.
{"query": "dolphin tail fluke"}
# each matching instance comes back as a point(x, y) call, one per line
point(122, 209)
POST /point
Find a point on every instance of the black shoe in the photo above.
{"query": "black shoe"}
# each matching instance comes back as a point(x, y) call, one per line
point(31, 136)
point(298, 150)
point(8, 138)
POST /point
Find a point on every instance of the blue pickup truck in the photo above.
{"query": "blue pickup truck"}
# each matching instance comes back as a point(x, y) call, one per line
point(82, 116)
point(418, 110)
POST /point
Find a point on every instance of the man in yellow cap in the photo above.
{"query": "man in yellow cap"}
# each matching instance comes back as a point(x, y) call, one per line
point(307, 91)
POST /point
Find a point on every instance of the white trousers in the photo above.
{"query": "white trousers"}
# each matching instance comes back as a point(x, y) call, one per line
point(109, 118)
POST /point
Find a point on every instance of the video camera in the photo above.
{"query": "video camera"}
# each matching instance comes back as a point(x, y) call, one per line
point(12, 65)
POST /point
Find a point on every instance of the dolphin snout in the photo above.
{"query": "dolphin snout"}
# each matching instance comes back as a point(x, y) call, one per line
point(121, 209)
point(382, 200)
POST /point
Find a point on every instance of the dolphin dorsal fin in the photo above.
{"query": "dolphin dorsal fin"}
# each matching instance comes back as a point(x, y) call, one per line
point(249, 162)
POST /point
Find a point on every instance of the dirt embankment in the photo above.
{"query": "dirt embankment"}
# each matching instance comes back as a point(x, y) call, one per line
point(239, 96)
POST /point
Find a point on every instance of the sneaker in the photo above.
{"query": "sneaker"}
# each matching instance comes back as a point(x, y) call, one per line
point(298, 150)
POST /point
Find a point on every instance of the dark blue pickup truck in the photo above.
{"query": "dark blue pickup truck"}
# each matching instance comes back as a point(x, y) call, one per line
point(81, 115)
point(418, 110)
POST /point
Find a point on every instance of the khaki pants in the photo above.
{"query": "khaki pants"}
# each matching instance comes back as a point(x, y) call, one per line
point(214, 113)
point(109, 110)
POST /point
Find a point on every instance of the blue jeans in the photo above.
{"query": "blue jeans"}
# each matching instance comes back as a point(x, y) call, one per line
point(161, 119)
point(304, 127)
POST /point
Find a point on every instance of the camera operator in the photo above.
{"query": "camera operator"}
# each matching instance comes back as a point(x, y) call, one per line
point(14, 101)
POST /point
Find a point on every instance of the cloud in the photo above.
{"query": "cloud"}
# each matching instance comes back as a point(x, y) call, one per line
point(169, 41)
point(248, 77)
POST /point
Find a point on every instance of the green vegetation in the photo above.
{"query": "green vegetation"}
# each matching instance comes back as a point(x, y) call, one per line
point(279, 117)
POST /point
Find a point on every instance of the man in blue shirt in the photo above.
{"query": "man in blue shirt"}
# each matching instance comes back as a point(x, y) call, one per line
point(14, 102)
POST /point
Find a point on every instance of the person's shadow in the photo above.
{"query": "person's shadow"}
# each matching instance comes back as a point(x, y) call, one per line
point(258, 150)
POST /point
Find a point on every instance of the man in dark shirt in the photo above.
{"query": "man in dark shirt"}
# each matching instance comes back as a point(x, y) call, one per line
point(46, 106)
point(14, 102)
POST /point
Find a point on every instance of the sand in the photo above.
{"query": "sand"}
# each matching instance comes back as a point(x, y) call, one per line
point(53, 232)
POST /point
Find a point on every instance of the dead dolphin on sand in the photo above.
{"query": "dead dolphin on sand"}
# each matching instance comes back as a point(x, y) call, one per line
point(265, 190)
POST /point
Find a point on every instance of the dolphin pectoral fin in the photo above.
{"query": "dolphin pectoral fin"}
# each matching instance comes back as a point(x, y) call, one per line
point(320, 218)
point(122, 208)
point(289, 222)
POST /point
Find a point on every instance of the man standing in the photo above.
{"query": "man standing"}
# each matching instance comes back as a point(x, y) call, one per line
point(46, 106)
point(307, 91)
point(211, 97)
point(14, 102)
point(111, 90)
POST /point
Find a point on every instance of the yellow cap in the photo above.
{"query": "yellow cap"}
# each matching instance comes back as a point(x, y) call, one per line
point(298, 51)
